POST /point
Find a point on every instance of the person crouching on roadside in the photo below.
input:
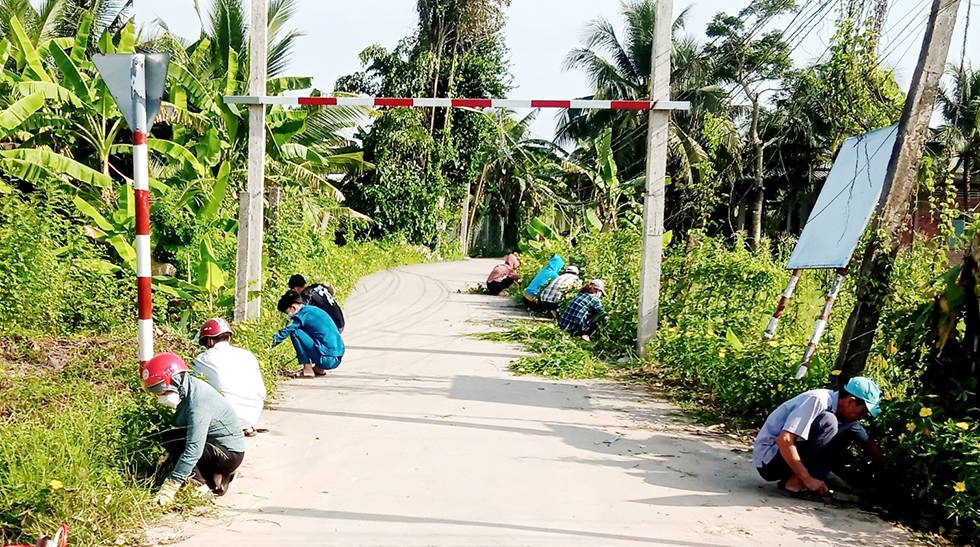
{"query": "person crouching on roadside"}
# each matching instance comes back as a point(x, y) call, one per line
point(541, 280)
point(321, 296)
point(551, 296)
point(581, 317)
point(315, 337)
point(504, 275)
point(207, 444)
point(796, 444)
point(234, 372)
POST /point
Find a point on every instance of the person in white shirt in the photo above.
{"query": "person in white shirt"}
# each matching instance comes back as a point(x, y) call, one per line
point(233, 372)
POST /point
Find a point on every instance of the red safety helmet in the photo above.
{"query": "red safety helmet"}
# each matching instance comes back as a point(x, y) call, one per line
point(214, 327)
point(157, 376)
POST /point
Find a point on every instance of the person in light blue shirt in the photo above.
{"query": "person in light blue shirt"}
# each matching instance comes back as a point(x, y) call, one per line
point(541, 280)
point(315, 337)
point(796, 444)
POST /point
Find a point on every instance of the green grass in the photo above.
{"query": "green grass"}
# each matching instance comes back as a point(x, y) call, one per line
point(558, 354)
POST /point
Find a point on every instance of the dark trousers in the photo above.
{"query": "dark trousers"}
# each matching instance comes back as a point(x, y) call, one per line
point(548, 306)
point(497, 287)
point(589, 331)
point(216, 459)
point(531, 304)
point(817, 451)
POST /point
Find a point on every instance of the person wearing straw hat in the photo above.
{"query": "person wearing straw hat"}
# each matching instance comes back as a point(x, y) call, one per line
point(796, 444)
point(584, 311)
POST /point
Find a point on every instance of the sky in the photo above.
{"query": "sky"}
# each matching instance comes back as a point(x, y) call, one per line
point(539, 34)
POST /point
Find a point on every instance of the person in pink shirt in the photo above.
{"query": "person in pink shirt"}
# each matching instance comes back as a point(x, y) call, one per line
point(504, 275)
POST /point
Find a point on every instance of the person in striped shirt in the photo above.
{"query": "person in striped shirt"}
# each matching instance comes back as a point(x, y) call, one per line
point(551, 296)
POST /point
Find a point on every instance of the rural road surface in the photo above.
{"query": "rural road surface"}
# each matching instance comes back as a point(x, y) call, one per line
point(423, 437)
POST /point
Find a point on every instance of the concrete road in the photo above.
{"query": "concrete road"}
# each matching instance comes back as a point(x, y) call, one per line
point(422, 437)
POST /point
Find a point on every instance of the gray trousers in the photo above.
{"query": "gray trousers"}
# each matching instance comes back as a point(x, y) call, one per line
point(817, 451)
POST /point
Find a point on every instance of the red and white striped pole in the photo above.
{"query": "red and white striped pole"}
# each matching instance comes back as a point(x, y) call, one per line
point(821, 325)
point(141, 187)
point(787, 294)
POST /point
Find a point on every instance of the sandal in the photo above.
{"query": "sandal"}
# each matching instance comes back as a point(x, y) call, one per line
point(806, 495)
point(302, 374)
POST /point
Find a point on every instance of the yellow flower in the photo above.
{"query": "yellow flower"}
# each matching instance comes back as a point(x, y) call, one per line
point(892, 348)
point(774, 392)
point(960, 487)
point(901, 437)
point(835, 373)
point(710, 334)
point(779, 387)
point(722, 353)
point(56, 484)
point(910, 426)
point(925, 412)
point(773, 344)
point(963, 425)
point(688, 334)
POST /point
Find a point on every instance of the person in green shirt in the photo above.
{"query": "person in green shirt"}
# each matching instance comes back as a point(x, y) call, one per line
point(207, 443)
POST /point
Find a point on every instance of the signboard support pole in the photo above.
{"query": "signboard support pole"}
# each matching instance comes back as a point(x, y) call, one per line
point(821, 325)
point(787, 294)
point(141, 190)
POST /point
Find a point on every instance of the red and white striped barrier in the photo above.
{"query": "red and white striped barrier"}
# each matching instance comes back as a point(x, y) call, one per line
point(141, 187)
point(460, 103)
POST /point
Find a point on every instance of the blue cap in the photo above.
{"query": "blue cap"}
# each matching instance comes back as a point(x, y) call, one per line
point(866, 390)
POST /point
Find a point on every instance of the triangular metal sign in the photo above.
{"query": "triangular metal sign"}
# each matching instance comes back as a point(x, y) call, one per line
point(156, 81)
point(119, 75)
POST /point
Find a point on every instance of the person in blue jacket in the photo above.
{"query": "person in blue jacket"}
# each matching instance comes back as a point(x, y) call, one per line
point(315, 337)
point(540, 281)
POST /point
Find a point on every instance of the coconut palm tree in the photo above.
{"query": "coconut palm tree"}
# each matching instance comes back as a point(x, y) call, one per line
point(619, 69)
point(960, 106)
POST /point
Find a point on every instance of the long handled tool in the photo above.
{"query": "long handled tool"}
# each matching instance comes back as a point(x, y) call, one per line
point(787, 294)
point(821, 325)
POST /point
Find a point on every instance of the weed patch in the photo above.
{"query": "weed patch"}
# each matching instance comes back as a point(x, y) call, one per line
point(558, 355)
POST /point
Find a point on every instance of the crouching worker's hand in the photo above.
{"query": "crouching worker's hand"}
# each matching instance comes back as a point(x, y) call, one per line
point(165, 497)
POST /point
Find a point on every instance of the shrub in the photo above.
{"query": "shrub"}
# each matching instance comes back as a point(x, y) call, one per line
point(52, 278)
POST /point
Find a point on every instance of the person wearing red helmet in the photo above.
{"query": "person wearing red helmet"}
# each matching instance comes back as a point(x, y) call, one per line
point(234, 372)
point(207, 444)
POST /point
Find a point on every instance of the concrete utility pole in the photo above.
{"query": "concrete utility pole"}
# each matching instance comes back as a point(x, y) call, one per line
point(653, 203)
point(900, 180)
point(251, 212)
point(464, 229)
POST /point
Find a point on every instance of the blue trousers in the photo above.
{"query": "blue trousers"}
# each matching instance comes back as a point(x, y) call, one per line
point(308, 352)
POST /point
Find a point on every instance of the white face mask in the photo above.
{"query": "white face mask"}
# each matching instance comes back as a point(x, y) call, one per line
point(169, 399)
